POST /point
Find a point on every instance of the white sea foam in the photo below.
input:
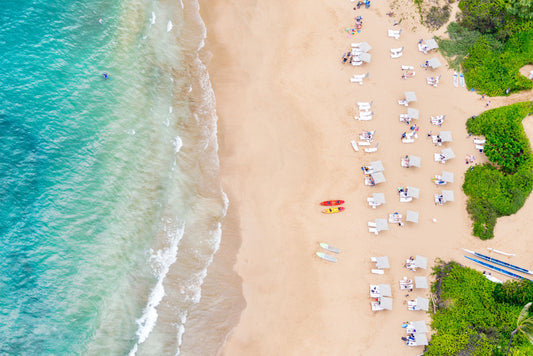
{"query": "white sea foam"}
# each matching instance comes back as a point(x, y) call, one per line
point(178, 144)
point(169, 26)
point(152, 19)
point(161, 261)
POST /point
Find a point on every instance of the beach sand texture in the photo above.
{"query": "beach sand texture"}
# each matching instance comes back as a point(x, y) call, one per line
point(286, 108)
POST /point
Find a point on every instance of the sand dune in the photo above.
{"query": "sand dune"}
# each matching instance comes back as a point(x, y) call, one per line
point(286, 108)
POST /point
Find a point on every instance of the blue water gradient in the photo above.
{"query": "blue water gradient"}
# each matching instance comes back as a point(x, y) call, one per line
point(79, 197)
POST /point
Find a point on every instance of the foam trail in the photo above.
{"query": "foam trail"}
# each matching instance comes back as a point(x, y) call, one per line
point(162, 260)
point(169, 26)
point(152, 19)
point(178, 144)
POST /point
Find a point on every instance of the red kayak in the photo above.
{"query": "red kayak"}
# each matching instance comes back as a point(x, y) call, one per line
point(332, 202)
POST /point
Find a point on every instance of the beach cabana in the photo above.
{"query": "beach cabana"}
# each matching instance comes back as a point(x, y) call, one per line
point(448, 153)
point(445, 136)
point(414, 161)
point(382, 262)
point(386, 303)
point(365, 57)
point(364, 47)
point(412, 216)
point(447, 176)
point(377, 166)
point(381, 224)
point(385, 290)
point(417, 327)
point(421, 339)
point(378, 177)
point(431, 44)
point(421, 262)
point(413, 192)
point(379, 198)
point(447, 195)
point(412, 113)
point(422, 304)
point(410, 96)
point(434, 63)
point(421, 282)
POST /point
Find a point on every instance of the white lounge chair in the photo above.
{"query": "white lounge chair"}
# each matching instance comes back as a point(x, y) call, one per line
point(396, 55)
point(357, 63)
point(372, 224)
point(378, 271)
point(364, 143)
point(405, 67)
point(373, 229)
point(396, 50)
point(363, 118)
point(480, 148)
point(371, 149)
point(479, 141)
point(394, 33)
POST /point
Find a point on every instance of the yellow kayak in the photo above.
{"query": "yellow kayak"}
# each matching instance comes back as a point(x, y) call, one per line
point(334, 210)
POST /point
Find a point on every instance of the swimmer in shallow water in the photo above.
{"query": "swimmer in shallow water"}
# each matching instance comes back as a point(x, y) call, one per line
point(106, 76)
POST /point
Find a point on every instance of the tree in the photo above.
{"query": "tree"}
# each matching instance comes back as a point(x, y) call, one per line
point(521, 8)
point(524, 325)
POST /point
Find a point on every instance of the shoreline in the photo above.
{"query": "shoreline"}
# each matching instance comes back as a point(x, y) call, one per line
point(285, 122)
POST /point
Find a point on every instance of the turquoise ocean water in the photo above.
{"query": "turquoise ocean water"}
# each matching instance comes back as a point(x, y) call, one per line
point(111, 203)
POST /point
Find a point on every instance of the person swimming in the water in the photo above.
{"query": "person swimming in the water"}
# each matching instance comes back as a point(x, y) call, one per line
point(105, 75)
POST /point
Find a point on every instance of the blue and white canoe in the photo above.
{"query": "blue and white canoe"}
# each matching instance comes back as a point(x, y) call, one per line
point(498, 262)
point(497, 269)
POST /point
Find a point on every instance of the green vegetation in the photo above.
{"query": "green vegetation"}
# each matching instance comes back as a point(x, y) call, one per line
point(524, 324)
point(437, 16)
point(501, 187)
point(491, 40)
point(496, 72)
point(468, 319)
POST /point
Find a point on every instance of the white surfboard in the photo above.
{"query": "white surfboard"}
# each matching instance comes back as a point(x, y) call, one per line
point(326, 257)
point(455, 79)
point(330, 248)
point(354, 145)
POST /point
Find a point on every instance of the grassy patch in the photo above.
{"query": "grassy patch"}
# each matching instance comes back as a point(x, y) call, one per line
point(501, 187)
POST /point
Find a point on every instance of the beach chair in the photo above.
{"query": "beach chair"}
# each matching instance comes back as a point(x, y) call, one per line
point(357, 80)
point(373, 230)
point(371, 149)
point(423, 48)
point(407, 140)
point(364, 104)
point(378, 271)
point(396, 50)
point(357, 63)
point(394, 33)
point(363, 118)
point(354, 145)
point(405, 67)
point(364, 143)
point(480, 148)
point(439, 158)
point(372, 224)
point(479, 141)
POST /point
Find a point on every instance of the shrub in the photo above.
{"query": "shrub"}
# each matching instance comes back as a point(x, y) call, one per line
point(471, 321)
point(437, 16)
point(501, 187)
point(518, 293)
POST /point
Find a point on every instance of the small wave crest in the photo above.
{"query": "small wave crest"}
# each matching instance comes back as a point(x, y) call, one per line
point(161, 261)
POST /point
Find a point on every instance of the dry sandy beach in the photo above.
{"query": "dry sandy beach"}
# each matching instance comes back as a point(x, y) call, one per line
point(286, 106)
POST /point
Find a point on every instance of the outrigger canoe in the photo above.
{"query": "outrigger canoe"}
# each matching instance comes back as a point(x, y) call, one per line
point(334, 210)
point(332, 202)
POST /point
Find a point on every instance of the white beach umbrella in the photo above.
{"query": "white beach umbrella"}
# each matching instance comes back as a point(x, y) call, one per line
point(422, 304)
point(421, 339)
point(378, 177)
point(445, 136)
point(381, 224)
point(377, 166)
point(448, 195)
point(412, 216)
point(421, 262)
point(434, 63)
point(412, 113)
point(385, 290)
point(421, 282)
point(379, 198)
point(386, 303)
point(413, 192)
point(431, 44)
point(419, 326)
point(447, 176)
point(410, 96)
point(382, 262)
point(414, 161)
